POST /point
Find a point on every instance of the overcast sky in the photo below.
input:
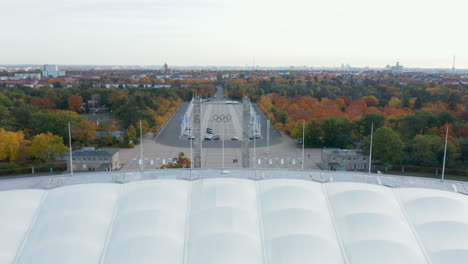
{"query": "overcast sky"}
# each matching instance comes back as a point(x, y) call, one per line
point(418, 33)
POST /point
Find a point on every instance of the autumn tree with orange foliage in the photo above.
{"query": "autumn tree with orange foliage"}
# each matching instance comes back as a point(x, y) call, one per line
point(75, 103)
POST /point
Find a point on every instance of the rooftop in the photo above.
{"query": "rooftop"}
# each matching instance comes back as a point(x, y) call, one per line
point(212, 216)
point(344, 152)
point(94, 152)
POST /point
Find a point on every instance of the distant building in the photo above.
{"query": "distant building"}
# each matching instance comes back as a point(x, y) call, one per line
point(52, 71)
point(165, 68)
point(90, 159)
point(397, 68)
point(28, 76)
point(344, 160)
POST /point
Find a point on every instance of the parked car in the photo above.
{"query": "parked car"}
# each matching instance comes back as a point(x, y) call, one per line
point(234, 138)
point(208, 137)
point(216, 137)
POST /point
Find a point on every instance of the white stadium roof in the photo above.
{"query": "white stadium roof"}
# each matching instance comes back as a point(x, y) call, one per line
point(248, 217)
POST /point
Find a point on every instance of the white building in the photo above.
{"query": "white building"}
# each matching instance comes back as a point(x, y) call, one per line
point(28, 76)
point(52, 71)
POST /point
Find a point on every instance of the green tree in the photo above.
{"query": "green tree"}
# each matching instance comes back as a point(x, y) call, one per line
point(387, 146)
point(130, 134)
point(406, 100)
point(4, 114)
point(364, 125)
point(21, 117)
point(418, 122)
point(418, 103)
point(336, 132)
point(428, 150)
point(46, 147)
point(54, 122)
point(313, 134)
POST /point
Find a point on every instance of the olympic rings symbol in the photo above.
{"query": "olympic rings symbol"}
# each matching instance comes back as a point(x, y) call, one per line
point(222, 118)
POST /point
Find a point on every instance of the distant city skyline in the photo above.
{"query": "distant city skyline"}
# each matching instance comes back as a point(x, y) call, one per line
point(417, 33)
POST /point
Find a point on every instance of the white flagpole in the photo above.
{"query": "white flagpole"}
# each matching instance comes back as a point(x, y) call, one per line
point(141, 147)
point(370, 152)
point(445, 153)
point(268, 136)
point(70, 148)
point(303, 142)
point(223, 146)
point(191, 146)
point(254, 136)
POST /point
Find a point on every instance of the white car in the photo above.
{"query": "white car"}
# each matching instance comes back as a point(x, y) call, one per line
point(234, 138)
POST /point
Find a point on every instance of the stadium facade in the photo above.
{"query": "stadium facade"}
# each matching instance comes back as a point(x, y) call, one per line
point(240, 216)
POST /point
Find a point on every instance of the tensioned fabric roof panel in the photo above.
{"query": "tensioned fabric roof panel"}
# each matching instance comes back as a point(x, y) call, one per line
point(232, 220)
point(441, 220)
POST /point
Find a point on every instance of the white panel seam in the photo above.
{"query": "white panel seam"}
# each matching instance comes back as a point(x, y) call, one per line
point(31, 225)
point(111, 225)
point(332, 220)
point(410, 224)
point(187, 222)
point(260, 224)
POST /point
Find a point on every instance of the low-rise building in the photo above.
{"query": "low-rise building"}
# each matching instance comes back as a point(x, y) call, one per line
point(344, 160)
point(90, 159)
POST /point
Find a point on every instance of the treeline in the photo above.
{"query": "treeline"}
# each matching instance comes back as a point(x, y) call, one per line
point(29, 116)
point(409, 120)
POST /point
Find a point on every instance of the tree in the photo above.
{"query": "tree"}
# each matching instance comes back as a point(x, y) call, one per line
point(84, 132)
point(43, 103)
point(336, 132)
point(387, 146)
point(418, 103)
point(130, 134)
point(21, 117)
point(428, 150)
point(46, 147)
point(10, 144)
point(313, 134)
point(75, 103)
point(178, 162)
point(54, 122)
point(364, 125)
point(406, 100)
point(4, 113)
point(417, 123)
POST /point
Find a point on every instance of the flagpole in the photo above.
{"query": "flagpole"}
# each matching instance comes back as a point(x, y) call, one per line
point(445, 153)
point(191, 146)
point(255, 157)
point(370, 152)
point(268, 136)
point(303, 142)
point(224, 136)
point(70, 148)
point(141, 147)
